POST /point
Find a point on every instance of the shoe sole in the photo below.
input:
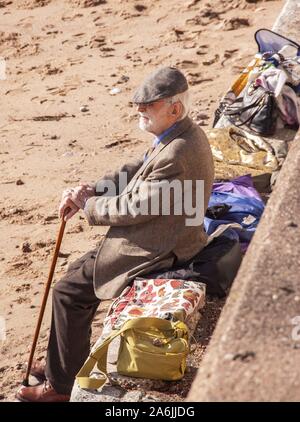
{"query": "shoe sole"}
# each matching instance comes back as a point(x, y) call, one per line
point(22, 400)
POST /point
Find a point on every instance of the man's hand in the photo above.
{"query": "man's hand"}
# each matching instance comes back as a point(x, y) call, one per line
point(75, 199)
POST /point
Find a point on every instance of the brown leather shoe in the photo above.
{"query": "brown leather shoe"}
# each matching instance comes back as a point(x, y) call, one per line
point(41, 393)
point(38, 371)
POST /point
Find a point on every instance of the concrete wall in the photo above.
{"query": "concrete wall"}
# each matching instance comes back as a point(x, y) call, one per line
point(253, 355)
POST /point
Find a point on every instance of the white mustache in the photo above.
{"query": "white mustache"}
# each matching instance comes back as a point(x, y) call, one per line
point(143, 115)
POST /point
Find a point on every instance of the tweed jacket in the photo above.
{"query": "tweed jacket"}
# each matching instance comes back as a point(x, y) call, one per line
point(140, 243)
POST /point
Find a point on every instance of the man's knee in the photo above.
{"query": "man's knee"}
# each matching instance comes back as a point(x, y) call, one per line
point(86, 259)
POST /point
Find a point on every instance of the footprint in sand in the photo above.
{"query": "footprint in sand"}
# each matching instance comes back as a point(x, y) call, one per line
point(97, 41)
point(195, 78)
point(86, 3)
point(32, 4)
point(204, 17)
point(187, 64)
point(234, 23)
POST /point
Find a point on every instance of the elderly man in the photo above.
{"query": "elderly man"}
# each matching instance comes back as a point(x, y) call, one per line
point(136, 242)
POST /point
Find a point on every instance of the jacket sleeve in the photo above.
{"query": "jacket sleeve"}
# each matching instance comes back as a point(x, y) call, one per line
point(134, 207)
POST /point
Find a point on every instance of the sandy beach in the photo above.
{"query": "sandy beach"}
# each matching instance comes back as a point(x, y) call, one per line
point(66, 117)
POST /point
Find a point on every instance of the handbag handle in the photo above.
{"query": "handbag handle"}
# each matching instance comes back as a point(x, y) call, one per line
point(251, 115)
point(99, 356)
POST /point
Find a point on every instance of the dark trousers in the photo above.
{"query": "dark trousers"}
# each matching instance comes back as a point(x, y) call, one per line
point(74, 307)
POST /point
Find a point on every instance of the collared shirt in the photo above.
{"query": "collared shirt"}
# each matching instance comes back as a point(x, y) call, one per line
point(160, 137)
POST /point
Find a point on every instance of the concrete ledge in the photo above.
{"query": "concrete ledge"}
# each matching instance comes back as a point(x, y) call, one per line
point(252, 355)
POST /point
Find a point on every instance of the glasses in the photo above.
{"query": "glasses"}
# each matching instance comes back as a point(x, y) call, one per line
point(166, 100)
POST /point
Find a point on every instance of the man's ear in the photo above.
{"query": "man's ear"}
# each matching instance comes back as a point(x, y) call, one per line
point(177, 110)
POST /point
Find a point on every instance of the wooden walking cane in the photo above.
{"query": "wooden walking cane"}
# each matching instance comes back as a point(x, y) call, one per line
point(44, 302)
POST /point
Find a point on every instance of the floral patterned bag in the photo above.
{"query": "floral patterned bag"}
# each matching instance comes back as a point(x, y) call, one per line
point(174, 300)
point(150, 317)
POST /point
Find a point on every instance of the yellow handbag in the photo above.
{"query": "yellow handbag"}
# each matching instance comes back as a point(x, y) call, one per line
point(152, 348)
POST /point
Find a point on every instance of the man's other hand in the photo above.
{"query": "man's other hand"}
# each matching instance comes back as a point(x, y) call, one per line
point(75, 199)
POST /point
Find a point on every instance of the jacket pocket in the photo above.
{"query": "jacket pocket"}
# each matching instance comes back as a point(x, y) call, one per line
point(132, 249)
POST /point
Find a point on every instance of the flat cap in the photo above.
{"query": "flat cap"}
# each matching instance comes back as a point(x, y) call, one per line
point(164, 82)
